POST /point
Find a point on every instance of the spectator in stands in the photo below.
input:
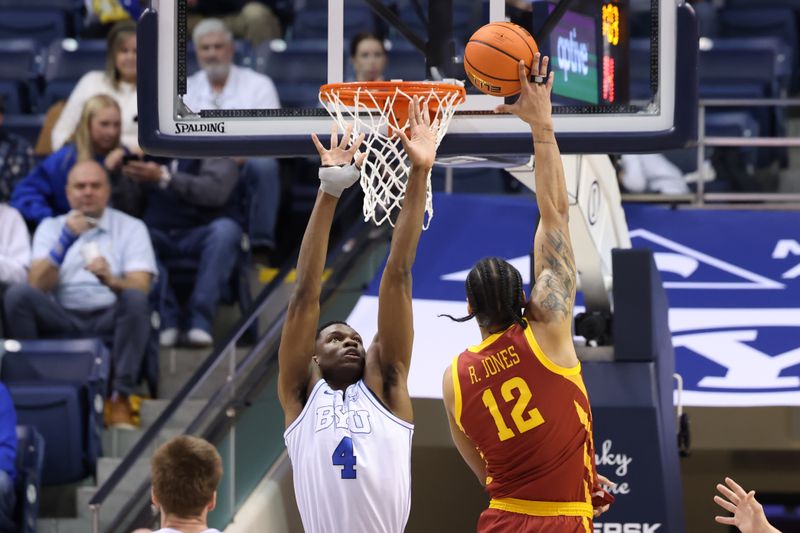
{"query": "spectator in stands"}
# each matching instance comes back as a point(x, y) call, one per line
point(651, 173)
point(42, 193)
point(15, 252)
point(222, 85)
point(368, 57)
point(90, 275)
point(748, 514)
point(185, 473)
point(193, 211)
point(8, 456)
point(117, 80)
point(255, 21)
point(16, 157)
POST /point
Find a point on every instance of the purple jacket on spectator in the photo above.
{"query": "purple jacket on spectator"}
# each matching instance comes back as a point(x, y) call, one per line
point(42, 194)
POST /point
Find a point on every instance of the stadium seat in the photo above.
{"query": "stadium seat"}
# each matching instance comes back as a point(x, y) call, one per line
point(312, 23)
point(784, 54)
point(298, 73)
point(43, 25)
point(66, 61)
point(408, 65)
point(19, 69)
point(29, 466)
point(763, 22)
point(26, 126)
point(58, 387)
point(71, 11)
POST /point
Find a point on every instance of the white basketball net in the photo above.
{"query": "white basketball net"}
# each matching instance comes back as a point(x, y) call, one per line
point(385, 170)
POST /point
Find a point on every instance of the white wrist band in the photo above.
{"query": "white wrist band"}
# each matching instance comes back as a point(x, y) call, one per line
point(334, 180)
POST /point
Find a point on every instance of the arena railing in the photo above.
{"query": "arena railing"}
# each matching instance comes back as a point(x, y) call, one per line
point(757, 142)
point(231, 379)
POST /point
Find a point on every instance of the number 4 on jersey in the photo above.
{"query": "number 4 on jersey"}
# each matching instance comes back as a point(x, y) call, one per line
point(343, 456)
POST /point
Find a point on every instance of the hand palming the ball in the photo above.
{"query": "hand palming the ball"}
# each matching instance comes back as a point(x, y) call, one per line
point(533, 105)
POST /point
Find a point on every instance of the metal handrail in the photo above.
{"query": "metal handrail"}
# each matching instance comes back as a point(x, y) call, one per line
point(703, 141)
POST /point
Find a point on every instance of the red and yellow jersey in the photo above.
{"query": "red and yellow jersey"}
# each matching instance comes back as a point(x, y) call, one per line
point(530, 419)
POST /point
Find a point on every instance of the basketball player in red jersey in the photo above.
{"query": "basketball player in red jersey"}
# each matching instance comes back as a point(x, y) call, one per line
point(518, 409)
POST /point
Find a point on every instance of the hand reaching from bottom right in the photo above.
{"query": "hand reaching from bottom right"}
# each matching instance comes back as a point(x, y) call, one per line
point(748, 514)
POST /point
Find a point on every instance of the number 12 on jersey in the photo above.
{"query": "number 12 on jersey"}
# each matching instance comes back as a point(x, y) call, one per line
point(343, 456)
point(518, 412)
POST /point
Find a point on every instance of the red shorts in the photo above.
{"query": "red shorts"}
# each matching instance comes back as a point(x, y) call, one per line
point(497, 521)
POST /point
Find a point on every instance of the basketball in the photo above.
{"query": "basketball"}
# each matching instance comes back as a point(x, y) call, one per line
point(492, 55)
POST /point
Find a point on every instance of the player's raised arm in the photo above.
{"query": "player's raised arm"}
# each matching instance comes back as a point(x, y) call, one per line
point(554, 263)
point(390, 353)
point(298, 339)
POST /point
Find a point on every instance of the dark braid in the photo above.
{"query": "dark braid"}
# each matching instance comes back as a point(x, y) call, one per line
point(494, 291)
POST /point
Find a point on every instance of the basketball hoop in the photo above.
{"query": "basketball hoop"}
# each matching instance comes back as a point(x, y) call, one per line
point(372, 107)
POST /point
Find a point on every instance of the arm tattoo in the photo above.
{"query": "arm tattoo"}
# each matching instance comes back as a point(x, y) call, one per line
point(558, 280)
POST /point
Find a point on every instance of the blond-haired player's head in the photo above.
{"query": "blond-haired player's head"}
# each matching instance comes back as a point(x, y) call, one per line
point(185, 473)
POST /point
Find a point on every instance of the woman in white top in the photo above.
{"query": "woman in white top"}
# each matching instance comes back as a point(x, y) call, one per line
point(118, 80)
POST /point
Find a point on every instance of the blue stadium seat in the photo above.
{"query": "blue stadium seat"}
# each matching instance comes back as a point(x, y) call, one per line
point(19, 70)
point(29, 466)
point(298, 73)
point(71, 10)
point(65, 62)
point(27, 126)
point(466, 20)
point(408, 65)
point(312, 23)
point(784, 54)
point(763, 22)
point(56, 411)
point(44, 25)
point(58, 386)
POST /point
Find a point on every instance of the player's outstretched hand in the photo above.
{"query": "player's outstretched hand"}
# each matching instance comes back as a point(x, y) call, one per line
point(336, 173)
point(601, 498)
point(748, 515)
point(339, 154)
point(420, 146)
point(533, 105)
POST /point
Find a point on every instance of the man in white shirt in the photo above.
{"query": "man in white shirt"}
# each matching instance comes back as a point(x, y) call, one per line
point(15, 251)
point(185, 472)
point(222, 85)
point(90, 275)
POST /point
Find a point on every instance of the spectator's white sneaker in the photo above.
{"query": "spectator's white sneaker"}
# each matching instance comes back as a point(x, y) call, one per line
point(168, 338)
point(199, 338)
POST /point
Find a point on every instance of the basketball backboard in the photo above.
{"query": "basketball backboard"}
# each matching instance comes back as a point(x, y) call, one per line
point(619, 66)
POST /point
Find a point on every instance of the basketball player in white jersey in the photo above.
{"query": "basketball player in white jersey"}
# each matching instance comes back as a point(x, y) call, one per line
point(348, 414)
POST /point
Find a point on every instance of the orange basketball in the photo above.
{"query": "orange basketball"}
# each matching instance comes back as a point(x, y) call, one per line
point(492, 55)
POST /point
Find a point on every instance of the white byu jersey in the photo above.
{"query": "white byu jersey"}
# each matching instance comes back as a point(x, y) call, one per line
point(351, 459)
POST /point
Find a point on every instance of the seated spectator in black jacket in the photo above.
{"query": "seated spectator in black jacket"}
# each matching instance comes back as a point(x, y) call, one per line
point(90, 275)
point(193, 210)
point(16, 157)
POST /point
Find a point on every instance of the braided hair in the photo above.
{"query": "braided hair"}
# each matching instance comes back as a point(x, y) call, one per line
point(495, 294)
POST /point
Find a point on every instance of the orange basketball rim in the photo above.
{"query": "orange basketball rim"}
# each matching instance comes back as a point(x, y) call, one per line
point(383, 95)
